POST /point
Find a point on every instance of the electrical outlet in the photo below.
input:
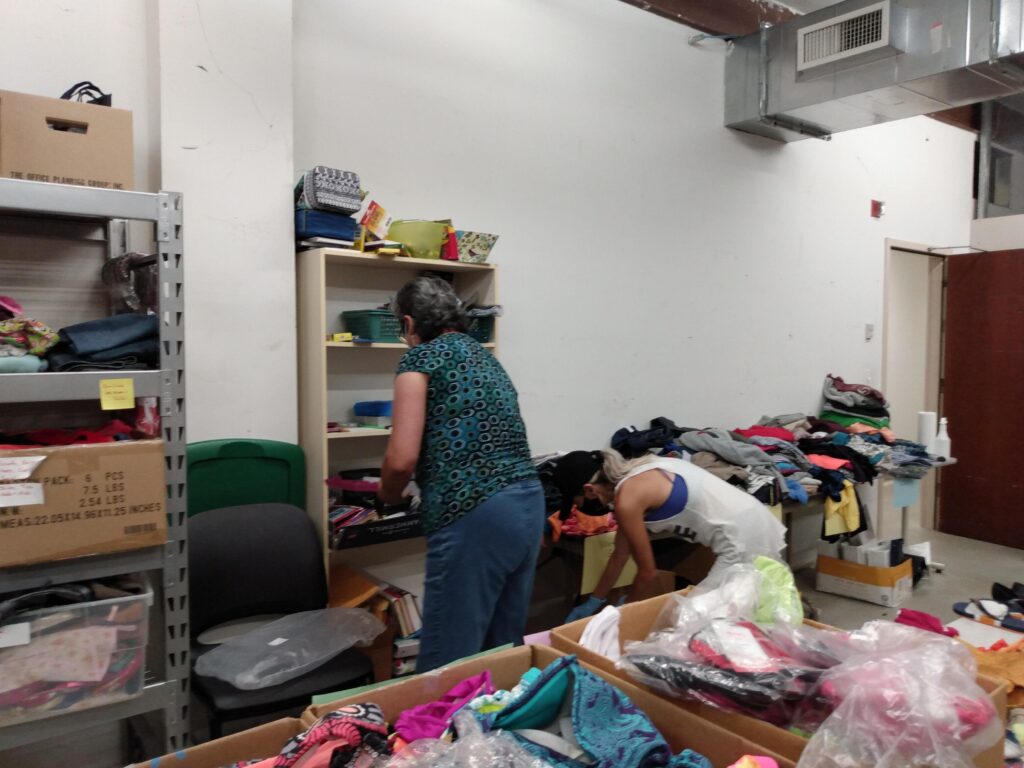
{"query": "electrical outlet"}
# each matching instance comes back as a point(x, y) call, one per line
point(869, 331)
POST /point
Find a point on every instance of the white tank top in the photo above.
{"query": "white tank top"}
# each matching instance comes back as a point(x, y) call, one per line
point(718, 515)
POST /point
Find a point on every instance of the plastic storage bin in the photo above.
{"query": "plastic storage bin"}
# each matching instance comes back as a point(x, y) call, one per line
point(373, 413)
point(372, 325)
point(78, 656)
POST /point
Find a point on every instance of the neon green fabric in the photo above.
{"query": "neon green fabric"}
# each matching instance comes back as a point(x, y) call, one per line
point(780, 599)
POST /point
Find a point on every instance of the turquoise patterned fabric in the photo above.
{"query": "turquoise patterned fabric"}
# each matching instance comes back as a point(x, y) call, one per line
point(474, 441)
point(607, 725)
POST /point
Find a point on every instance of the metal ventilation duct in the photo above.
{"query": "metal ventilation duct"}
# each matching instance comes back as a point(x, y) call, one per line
point(864, 62)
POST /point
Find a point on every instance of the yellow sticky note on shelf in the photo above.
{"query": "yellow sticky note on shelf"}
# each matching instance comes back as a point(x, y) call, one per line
point(117, 394)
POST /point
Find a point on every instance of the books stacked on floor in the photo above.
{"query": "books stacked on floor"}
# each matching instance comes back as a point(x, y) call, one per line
point(405, 651)
point(405, 608)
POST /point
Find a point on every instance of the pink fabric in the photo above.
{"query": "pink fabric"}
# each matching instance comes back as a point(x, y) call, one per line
point(10, 308)
point(924, 621)
point(776, 432)
point(828, 462)
point(429, 721)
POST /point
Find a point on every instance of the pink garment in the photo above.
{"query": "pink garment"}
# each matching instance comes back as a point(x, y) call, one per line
point(755, 761)
point(429, 721)
point(924, 621)
point(828, 462)
point(10, 308)
point(776, 432)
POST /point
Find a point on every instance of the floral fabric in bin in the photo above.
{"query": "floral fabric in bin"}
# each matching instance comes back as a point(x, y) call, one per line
point(81, 655)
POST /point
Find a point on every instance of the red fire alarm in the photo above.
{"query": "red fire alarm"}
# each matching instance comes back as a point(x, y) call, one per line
point(877, 209)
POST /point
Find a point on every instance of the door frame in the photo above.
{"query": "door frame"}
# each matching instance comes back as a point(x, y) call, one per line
point(934, 362)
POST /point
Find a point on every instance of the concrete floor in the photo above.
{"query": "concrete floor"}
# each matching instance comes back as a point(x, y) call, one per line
point(971, 567)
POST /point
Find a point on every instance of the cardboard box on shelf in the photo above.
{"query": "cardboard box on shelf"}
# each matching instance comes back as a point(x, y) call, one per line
point(78, 500)
point(882, 586)
point(637, 620)
point(65, 142)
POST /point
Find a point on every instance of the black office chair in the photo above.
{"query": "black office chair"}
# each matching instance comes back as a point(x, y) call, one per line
point(259, 561)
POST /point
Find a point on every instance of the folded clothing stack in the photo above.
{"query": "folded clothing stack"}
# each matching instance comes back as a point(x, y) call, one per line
point(23, 341)
point(848, 404)
point(119, 343)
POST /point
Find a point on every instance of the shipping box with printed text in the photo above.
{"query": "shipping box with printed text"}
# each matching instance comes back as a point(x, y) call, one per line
point(65, 142)
point(77, 500)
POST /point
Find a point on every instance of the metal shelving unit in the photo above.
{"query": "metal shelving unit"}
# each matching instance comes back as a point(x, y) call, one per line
point(167, 690)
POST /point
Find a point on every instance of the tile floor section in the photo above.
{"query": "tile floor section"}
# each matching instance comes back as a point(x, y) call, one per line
point(971, 567)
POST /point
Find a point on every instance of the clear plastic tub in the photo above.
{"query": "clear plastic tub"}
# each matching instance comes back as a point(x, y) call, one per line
point(77, 657)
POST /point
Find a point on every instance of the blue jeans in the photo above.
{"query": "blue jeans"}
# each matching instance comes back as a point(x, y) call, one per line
point(480, 576)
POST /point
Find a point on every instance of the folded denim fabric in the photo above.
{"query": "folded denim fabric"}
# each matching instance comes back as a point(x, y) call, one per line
point(146, 350)
point(65, 361)
point(110, 332)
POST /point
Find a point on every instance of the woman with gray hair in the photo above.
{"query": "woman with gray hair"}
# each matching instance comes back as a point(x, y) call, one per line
point(456, 424)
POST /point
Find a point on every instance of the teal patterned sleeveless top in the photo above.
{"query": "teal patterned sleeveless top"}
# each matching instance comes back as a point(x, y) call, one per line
point(474, 440)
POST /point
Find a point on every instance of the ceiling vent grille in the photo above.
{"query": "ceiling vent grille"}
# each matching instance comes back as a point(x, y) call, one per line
point(843, 37)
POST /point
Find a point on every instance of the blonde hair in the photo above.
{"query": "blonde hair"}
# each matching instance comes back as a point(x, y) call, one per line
point(616, 466)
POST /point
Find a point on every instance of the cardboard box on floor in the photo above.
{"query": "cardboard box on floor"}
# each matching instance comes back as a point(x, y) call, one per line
point(681, 729)
point(636, 622)
point(65, 142)
point(881, 586)
point(78, 500)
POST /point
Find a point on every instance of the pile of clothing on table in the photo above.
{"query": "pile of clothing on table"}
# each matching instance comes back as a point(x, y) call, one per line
point(847, 404)
point(562, 715)
point(125, 342)
point(794, 455)
point(886, 694)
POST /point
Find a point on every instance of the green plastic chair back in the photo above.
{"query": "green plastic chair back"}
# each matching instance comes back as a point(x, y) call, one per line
point(226, 473)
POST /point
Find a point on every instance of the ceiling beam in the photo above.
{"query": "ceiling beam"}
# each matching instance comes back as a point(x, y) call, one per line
point(717, 17)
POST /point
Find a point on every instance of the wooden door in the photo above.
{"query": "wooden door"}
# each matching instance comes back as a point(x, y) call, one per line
point(983, 397)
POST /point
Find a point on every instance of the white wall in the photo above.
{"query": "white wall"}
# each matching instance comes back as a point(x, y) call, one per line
point(48, 46)
point(998, 234)
point(653, 262)
point(226, 88)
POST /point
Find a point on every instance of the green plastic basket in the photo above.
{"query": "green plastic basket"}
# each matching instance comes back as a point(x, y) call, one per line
point(481, 328)
point(372, 324)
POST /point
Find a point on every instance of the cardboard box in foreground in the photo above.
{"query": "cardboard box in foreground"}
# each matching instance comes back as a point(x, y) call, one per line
point(78, 500)
point(681, 729)
point(637, 620)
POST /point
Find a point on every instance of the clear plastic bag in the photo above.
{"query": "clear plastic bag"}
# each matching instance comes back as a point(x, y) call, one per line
point(287, 648)
point(742, 592)
point(731, 664)
point(473, 749)
point(885, 695)
point(903, 698)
